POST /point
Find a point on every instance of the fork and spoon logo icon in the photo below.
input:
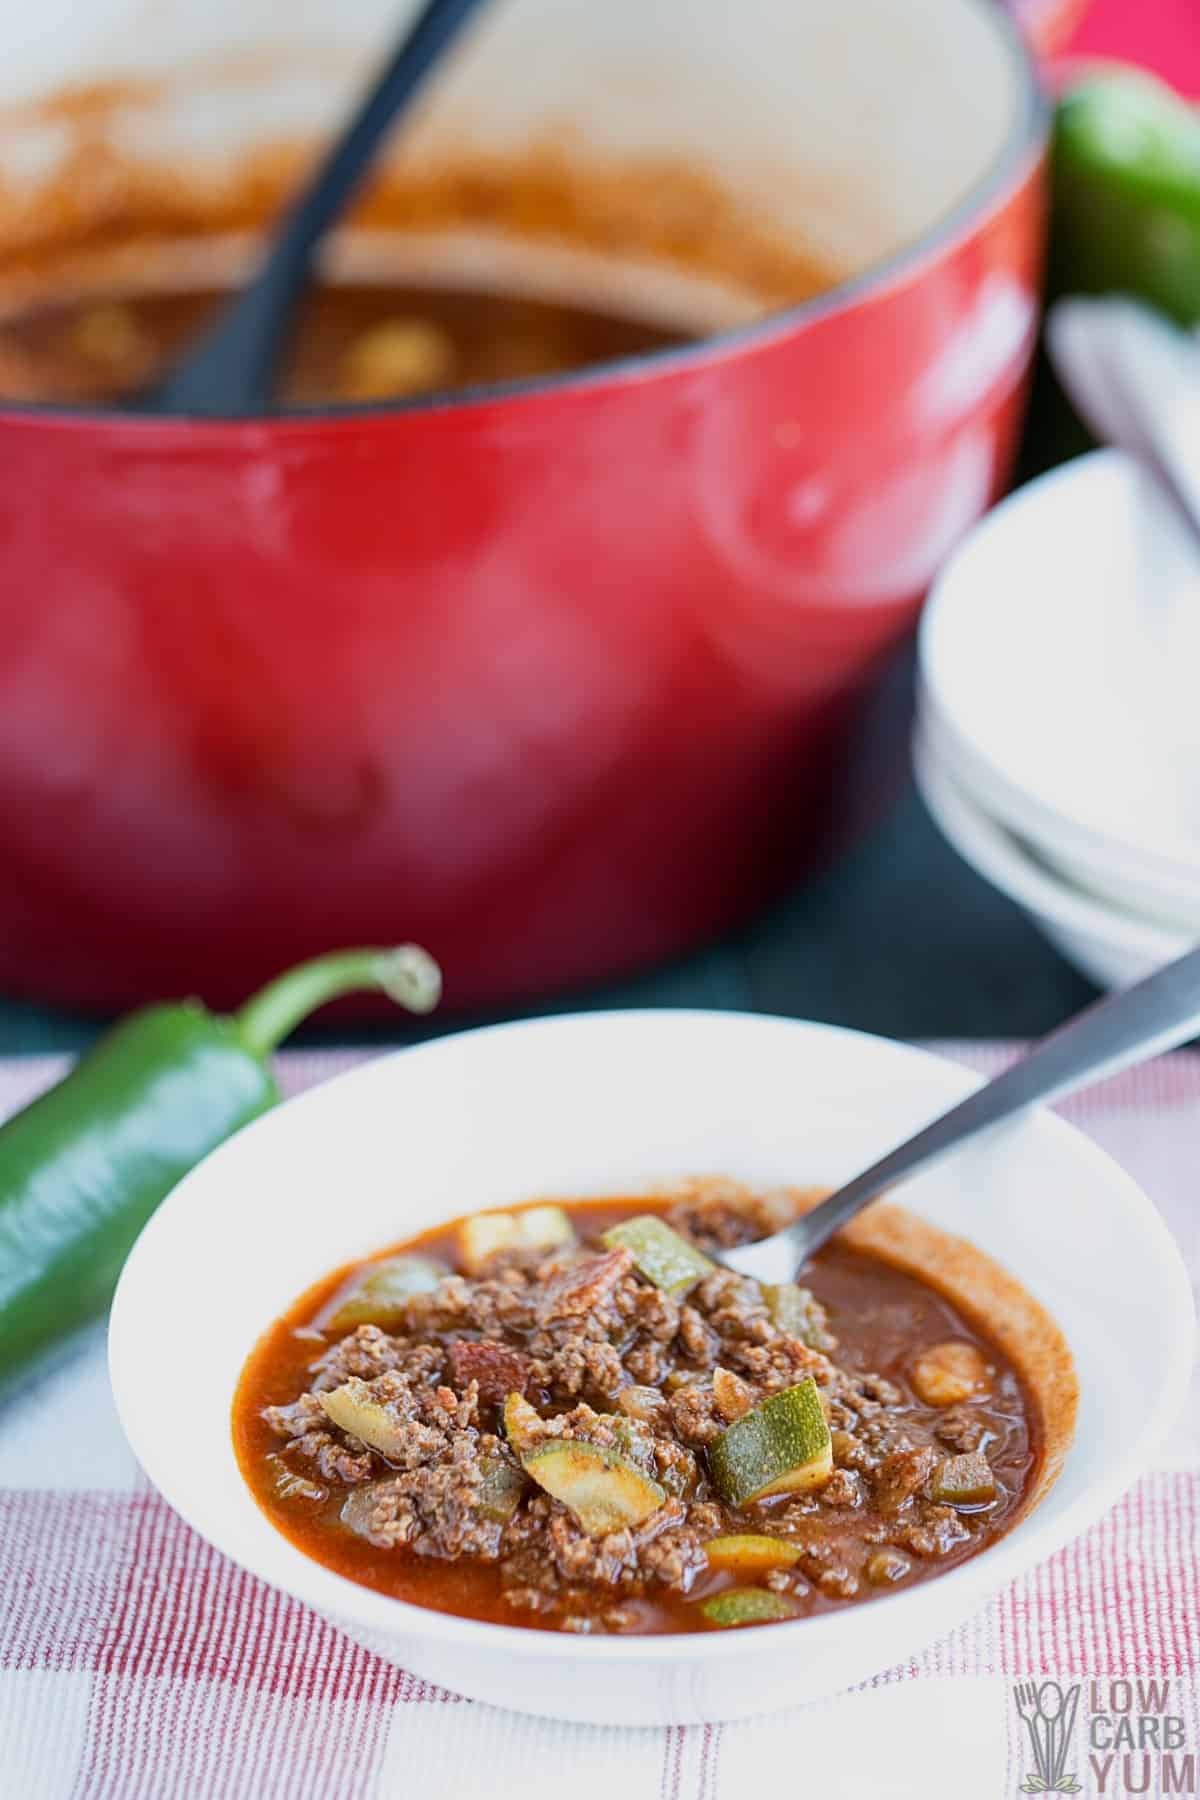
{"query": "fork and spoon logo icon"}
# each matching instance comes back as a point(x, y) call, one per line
point(1049, 1717)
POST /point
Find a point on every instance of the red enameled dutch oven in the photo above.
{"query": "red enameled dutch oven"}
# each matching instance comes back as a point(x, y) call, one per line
point(561, 677)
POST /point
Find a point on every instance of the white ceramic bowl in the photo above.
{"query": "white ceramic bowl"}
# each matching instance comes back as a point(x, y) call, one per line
point(1057, 655)
point(1111, 946)
point(605, 1102)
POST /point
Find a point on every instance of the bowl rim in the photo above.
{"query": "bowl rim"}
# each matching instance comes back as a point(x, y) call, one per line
point(1028, 1542)
point(1025, 141)
point(1025, 810)
point(1002, 858)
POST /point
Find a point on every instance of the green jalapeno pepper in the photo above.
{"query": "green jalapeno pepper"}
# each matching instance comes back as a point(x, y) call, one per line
point(84, 1166)
point(1127, 192)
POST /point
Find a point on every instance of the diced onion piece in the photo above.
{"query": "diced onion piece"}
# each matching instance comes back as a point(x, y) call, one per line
point(112, 336)
point(949, 1373)
point(644, 1403)
point(660, 1253)
point(397, 356)
point(484, 1235)
point(605, 1491)
point(381, 1291)
point(734, 1397)
point(746, 1606)
point(522, 1425)
point(965, 1480)
point(781, 1447)
point(355, 1409)
point(290, 1486)
point(883, 1568)
point(750, 1554)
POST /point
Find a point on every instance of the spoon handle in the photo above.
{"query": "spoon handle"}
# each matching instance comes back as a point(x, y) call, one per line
point(1123, 1028)
point(231, 371)
point(1135, 380)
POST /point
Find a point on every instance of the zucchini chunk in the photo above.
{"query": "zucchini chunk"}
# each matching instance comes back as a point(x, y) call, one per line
point(521, 1423)
point(795, 1310)
point(746, 1606)
point(750, 1554)
point(355, 1409)
point(379, 1294)
point(484, 1235)
point(659, 1253)
point(503, 1485)
point(965, 1480)
point(781, 1447)
point(634, 1441)
point(605, 1491)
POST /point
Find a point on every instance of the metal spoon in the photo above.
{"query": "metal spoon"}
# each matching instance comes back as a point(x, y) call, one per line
point(1158, 1014)
point(231, 371)
point(1135, 380)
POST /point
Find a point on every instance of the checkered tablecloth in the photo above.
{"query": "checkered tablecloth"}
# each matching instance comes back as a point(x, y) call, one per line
point(137, 1664)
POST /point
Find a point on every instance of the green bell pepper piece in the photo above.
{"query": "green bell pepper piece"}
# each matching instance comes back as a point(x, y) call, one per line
point(1127, 193)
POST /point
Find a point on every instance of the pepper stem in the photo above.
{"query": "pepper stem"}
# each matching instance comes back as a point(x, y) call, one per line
point(407, 974)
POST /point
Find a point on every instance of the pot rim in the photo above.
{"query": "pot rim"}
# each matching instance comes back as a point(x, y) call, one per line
point(1026, 140)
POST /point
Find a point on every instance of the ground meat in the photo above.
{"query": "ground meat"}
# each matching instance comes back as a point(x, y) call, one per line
point(901, 1475)
point(660, 1549)
point(842, 1489)
point(961, 1429)
point(933, 1532)
point(694, 1413)
point(675, 1467)
point(674, 1559)
point(863, 1444)
point(719, 1214)
point(368, 1352)
point(576, 1366)
point(433, 1509)
point(503, 1303)
point(696, 1342)
point(654, 1315)
point(584, 1288)
point(779, 1363)
point(734, 1307)
point(647, 1363)
point(602, 1356)
point(314, 1441)
point(298, 1417)
point(333, 1458)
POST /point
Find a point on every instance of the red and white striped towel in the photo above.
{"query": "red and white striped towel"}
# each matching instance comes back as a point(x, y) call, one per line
point(137, 1664)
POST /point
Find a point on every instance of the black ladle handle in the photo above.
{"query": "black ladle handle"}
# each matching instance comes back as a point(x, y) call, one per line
point(232, 369)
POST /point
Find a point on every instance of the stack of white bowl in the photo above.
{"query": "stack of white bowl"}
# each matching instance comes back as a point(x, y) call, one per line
point(1057, 743)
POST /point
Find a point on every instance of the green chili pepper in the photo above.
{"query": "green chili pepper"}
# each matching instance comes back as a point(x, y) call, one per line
point(84, 1166)
point(1127, 192)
